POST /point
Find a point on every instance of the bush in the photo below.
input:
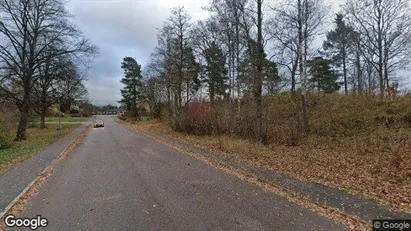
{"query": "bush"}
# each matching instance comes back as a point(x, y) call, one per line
point(330, 115)
point(351, 123)
point(121, 117)
point(75, 115)
point(6, 139)
point(33, 125)
point(406, 117)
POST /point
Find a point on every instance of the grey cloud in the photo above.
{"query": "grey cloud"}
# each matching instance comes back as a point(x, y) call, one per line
point(122, 24)
point(121, 28)
point(104, 90)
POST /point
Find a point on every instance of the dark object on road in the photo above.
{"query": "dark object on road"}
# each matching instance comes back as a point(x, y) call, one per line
point(98, 123)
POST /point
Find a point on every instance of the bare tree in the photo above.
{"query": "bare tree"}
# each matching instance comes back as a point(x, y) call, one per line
point(209, 48)
point(27, 29)
point(385, 30)
point(45, 92)
point(71, 85)
point(179, 67)
point(287, 18)
point(232, 19)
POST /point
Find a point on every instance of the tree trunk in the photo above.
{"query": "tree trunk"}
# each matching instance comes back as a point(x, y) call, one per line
point(380, 57)
point(24, 119)
point(387, 83)
point(345, 70)
point(188, 91)
point(293, 84)
point(211, 89)
point(293, 76)
point(302, 66)
point(359, 72)
point(237, 57)
point(43, 118)
point(230, 68)
point(259, 76)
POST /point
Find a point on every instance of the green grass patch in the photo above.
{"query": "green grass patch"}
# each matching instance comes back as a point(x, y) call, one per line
point(37, 140)
point(67, 119)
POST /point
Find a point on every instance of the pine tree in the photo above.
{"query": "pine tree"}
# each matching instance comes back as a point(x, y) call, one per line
point(132, 90)
point(338, 42)
point(322, 76)
point(271, 78)
point(216, 72)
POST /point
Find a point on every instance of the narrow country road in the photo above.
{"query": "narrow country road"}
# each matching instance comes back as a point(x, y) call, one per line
point(120, 180)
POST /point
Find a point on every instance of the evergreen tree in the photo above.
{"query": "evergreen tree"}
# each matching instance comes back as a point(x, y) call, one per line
point(338, 43)
point(132, 90)
point(191, 70)
point(216, 72)
point(322, 76)
point(271, 78)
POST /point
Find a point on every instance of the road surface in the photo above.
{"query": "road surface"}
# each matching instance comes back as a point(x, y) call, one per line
point(121, 180)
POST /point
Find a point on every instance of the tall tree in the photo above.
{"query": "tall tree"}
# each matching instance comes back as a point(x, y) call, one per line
point(302, 50)
point(70, 85)
point(259, 64)
point(385, 30)
point(132, 81)
point(272, 80)
point(284, 24)
point(27, 28)
point(216, 72)
point(230, 17)
point(45, 92)
point(179, 69)
point(338, 42)
point(191, 72)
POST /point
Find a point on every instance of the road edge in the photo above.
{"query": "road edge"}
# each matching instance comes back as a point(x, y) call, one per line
point(14, 202)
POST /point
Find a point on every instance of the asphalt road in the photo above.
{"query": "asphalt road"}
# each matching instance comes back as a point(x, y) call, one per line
point(121, 180)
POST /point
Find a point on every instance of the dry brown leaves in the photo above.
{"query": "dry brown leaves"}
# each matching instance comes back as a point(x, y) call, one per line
point(351, 222)
point(359, 165)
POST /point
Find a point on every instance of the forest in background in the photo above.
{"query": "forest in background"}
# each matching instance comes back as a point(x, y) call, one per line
point(256, 82)
point(248, 52)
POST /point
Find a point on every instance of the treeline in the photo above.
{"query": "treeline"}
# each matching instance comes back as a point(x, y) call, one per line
point(248, 49)
point(43, 58)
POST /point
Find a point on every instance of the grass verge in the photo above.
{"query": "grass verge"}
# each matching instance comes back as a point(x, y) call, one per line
point(38, 139)
point(17, 208)
point(67, 119)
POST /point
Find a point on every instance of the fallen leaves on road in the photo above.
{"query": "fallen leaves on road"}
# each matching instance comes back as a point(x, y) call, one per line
point(351, 222)
point(359, 165)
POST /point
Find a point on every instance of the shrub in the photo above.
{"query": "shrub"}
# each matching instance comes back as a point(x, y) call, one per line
point(330, 115)
point(75, 115)
point(6, 138)
point(32, 125)
point(121, 116)
point(352, 123)
point(406, 117)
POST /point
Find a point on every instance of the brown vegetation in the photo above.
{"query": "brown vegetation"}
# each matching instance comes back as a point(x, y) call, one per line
point(360, 144)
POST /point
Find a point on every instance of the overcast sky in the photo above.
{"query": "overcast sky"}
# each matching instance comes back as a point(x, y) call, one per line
point(125, 28)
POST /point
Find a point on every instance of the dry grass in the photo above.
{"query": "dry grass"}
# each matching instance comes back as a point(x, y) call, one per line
point(361, 145)
point(351, 222)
